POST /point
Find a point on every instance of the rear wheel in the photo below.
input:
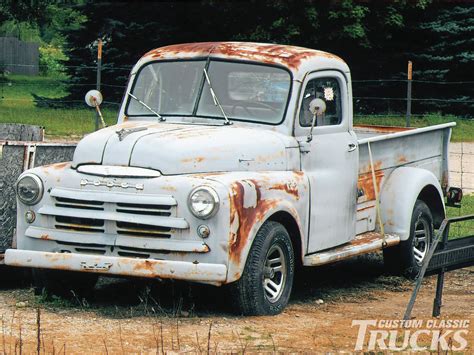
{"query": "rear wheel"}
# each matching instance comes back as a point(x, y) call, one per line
point(408, 256)
point(265, 285)
point(67, 284)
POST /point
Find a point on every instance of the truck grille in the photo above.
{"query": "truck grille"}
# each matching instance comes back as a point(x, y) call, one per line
point(122, 214)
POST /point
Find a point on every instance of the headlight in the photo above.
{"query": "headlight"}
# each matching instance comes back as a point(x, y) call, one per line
point(203, 202)
point(29, 189)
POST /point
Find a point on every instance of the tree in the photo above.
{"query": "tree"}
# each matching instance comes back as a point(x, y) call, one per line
point(447, 55)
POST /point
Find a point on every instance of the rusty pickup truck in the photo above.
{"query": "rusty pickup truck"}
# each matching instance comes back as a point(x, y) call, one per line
point(232, 164)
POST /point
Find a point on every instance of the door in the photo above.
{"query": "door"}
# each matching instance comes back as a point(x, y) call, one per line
point(330, 160)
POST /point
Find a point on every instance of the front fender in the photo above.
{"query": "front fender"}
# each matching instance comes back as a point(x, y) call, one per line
point(399, 194)
point(252, 201)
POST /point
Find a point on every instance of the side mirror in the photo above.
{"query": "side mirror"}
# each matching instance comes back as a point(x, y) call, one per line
point(317, 107)
point(93, 99)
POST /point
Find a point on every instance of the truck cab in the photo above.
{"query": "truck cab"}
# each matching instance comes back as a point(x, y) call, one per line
point(231, 164)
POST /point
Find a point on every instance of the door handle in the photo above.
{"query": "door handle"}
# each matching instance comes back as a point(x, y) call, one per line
point(352, 147)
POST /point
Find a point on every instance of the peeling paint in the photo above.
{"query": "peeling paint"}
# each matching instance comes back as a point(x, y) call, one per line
point(243, 219)
point(289, 56)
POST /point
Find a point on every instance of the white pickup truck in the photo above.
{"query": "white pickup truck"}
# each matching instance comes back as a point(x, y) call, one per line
point(232, 164)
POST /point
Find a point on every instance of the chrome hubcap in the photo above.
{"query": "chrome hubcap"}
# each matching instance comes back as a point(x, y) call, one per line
point(274, 274)
point(421, 240)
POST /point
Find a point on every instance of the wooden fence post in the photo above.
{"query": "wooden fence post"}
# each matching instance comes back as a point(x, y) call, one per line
point(410, 71)
point(99, 68)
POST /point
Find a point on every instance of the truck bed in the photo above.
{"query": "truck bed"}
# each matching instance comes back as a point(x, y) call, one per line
point(394, 147)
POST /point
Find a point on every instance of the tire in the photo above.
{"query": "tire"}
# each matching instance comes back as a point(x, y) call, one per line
point(265, 287)
point(65, 284)
point(407, 257)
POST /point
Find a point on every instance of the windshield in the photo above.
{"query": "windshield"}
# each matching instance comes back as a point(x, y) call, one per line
point(246, 92)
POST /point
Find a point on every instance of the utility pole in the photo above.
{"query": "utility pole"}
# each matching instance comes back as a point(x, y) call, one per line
point(410, 72)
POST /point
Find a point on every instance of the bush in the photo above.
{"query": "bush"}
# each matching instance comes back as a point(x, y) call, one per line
point(51, 60)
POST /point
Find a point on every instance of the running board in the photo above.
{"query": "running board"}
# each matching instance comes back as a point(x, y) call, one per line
point(361, 244)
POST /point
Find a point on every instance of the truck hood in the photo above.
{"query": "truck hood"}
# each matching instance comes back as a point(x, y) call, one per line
point(185, 149)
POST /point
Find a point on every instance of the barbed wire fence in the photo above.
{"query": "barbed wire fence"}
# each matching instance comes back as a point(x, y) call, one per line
point(367, 98)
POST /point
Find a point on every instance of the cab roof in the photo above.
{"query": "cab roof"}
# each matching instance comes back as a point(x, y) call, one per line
point(296, 59)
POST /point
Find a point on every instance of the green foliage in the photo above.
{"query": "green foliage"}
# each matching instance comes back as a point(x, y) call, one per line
point(466, 228)
point(376, 39)
point(51, 60)
point(450, 57)
point(25, 31)
point(42, 22)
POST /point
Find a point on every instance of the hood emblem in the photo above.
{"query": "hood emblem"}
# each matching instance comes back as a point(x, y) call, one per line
point(124, 132)
point(110, 184)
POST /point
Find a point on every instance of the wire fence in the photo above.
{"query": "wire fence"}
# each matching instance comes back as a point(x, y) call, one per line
point(374, 97)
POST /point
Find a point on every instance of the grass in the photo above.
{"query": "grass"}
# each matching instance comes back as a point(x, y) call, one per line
point(462, 229)
point(17, 105)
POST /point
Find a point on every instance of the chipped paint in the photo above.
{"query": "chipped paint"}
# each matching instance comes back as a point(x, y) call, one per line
point(402, 159)
point(365, 181)
point(290, 188)
point(361, 244)
point(289, 56)
point(244, 216)
point(381, 129)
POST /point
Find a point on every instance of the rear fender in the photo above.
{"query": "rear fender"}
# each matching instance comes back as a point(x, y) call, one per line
point(399, 194)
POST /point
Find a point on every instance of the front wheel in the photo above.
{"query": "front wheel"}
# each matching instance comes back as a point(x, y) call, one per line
point(407, 257)
point(265, 285)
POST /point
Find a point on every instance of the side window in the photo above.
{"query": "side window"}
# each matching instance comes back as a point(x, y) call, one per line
point(328, 90)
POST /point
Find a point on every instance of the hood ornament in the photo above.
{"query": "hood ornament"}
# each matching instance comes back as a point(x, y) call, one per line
point(124, 132)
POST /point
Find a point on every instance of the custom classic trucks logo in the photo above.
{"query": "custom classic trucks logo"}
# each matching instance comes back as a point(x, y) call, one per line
point(413, 335)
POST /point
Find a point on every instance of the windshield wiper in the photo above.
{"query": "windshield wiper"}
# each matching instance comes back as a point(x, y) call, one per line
point(161, 118)
point(214, 97)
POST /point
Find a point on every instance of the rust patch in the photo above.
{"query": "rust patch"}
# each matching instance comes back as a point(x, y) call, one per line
point(58, 257)
point(44, 237)
point(290, 56)
point(145, 265)
point(288, 188)
point(445, 182)
point(402, 159)
point(244, 217)
point(207, 175)
point(61, 166)
point(365, 182)
point(193, 160)
point(56, 166)
point(169, 188)
point(382, 129)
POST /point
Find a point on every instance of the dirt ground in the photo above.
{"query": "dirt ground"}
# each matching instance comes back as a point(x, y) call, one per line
point(130, 316)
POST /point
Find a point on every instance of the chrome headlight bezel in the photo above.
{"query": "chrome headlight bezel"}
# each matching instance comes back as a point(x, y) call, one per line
point(213, 195)
point(40, 187)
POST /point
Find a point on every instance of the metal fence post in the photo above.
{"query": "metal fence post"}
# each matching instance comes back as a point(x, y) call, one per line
point(99, 68)
point(409, 93)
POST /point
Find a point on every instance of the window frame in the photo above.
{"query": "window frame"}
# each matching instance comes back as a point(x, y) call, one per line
point(343, 87)
point(217, 118)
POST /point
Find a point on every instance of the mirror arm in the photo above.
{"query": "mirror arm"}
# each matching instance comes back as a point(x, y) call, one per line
point(313, 122)
point(99, 112)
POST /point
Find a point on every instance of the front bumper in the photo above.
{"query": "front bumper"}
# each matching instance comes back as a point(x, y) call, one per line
point(113, 265)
